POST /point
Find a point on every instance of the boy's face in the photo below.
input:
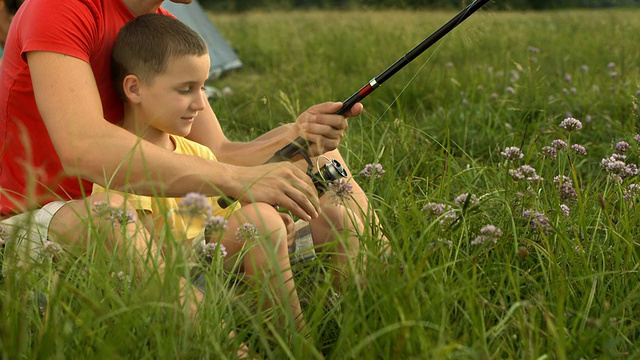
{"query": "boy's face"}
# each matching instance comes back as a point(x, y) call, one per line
point(171, 102)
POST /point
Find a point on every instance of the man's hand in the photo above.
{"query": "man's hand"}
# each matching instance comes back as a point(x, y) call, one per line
point(278, 184)
point(323, 127)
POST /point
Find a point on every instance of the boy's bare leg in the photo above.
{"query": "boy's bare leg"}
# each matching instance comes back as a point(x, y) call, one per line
point(336, 233)
point(258, 261)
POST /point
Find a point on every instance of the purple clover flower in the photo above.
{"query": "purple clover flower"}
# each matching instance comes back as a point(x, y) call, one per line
point(622, 147)
point(117, 216)
point(436, 209)
point(565, 188)
point(571, 124)
point(510, 90)
point(631, 192)
point(461, 199)
point(512, 153)
point(549, 152)
point(374, 170)
point(246, 232)
point(537, 220)
point(51, 249)
point(195, 204)
point(559, 144)
point(210, 250)
point(215, 224)
point(564, 209)
point(637, 138)
point(487, 233)
point(524, 172)
point(611, 65)
point(4, 234)
point(340, 190)
point(579, 149)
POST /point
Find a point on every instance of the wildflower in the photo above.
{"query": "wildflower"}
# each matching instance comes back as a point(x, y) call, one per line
point(622, 147)
point(565, 91)
point(374, 170)
point(4, 234)
point(436, 209)
point(510, 90)
point(487, 233)
point(512, 153)
point(195, 204)
point(565, 210)
point(568, 78)
point(637, 138)
point(119, 217)
point(493, 96)
point(210, 250)
point(448, 219)
point(571, 124)
point(524, 172)
point(613, 74)
point(537, 220)
point(340, 190)
point(611, 65)
point(51, 249)
point(559, 144)
point(122, 277)
point(573, 90)
point(565, 188)
point(549, 152)
point(584, 68)
point(614, 166)
point(534, 50)
point(215, 224)
point(579, 149)
point(515, 75)
point(631, 192)
point(448, 65)
point(462, 199)
point(246, 232)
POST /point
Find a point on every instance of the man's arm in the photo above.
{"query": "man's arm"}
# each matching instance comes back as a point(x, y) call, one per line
point(90, 147)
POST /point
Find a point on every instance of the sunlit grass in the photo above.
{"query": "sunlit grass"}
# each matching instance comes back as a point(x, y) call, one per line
point(551, 285)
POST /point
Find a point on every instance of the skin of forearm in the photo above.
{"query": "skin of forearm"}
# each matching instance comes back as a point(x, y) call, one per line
point(257, 151)
point(137, 166)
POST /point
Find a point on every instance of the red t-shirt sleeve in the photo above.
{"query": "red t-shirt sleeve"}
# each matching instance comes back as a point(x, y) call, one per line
point(67, 27)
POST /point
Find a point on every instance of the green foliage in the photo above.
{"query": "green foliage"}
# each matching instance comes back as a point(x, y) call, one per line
point(552, 285)
point(244, 5)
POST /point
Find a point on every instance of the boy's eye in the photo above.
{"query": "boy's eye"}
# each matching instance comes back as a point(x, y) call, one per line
point(184, 91)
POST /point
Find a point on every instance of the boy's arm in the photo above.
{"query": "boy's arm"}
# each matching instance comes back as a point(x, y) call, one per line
point(318, 124)
point(90, 147)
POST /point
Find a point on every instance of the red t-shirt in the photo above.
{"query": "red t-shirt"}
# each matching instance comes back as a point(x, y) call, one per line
point(30, 169)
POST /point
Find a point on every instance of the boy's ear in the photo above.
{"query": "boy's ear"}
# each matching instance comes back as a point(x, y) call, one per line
point(131, 87)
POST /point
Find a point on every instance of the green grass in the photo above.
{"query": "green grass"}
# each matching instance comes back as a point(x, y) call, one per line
point(569, 290)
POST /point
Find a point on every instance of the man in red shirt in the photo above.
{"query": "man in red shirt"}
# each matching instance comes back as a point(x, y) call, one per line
point(56, 93)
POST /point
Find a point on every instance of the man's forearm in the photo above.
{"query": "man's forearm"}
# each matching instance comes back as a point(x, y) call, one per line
point(259, 150)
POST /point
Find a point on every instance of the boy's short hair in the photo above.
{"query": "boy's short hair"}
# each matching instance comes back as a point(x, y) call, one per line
point(13, 5)
point(145, 45)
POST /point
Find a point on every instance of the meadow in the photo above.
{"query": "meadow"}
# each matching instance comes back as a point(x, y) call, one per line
point(509, 195)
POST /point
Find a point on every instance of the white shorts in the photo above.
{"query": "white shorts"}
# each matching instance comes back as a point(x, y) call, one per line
point(26, 235)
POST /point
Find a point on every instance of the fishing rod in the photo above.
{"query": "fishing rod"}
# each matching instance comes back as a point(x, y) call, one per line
point(334, 170)
point(300, 145)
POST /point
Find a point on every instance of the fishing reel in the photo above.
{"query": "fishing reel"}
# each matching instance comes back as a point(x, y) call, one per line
point(331, 171)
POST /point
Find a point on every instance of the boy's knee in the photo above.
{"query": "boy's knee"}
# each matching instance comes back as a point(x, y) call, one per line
point(265, 218)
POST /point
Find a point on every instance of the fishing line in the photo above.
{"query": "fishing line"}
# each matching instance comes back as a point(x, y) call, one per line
point(415, 75)
point(299, 145)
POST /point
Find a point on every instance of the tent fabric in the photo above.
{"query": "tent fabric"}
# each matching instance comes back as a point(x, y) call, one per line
point(223, 57)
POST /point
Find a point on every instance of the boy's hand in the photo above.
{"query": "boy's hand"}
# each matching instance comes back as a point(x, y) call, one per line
point(323, 127)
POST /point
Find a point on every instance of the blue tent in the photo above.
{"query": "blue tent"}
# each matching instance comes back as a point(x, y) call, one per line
point(223, 57)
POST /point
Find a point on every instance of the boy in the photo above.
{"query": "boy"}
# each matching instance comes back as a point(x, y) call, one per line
point(161, 80)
